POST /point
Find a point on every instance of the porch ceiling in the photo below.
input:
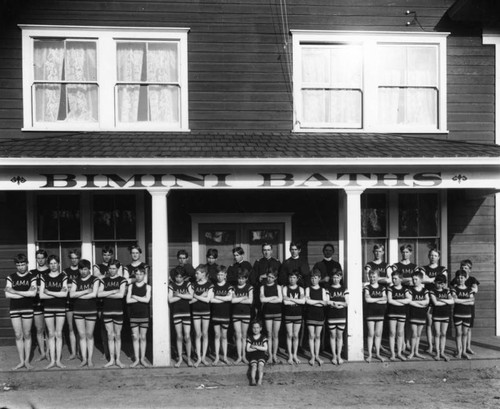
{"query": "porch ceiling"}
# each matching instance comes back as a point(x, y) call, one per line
point(247, 145)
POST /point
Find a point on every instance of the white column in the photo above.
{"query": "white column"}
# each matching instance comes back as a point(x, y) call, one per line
point(161, 315)
point(86, 230)
point(30, 233)
point(353, 266)
point(497, 261)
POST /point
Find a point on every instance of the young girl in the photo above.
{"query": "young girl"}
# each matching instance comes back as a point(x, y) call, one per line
point(432, 270)
point(398, 298)
point(21, 289)
point(180, 293)
point(112, 290)
point(293, 300)
point(202, 295)
point(442, 301)
point(84, 295)
point(54, 291)
point(256, 352)
point(316, 299)
point(336, 315)
point(405, 266)
point(242, 310)
point(271, 297)
point(38, 318)
point(138, 297)
point(136, 263)
point(378, 264)
point(376, 301)
point(462, 313)
point(418, 311)
point(221, 314)
point(72, 273)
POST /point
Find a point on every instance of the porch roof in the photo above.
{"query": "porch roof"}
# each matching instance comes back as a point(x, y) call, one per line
point(248, 145)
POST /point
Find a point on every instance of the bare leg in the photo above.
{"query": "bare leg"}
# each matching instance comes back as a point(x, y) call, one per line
point(317, 343)
point(311, 331)
point(429, 332)
point(369, 339)
point(340, 344)
point(71, 335)
point(18, 331)
point(253, 373)
point(89, 333)
point(224, 345)
point(204, 332)
point(135, 344)
point(186, 327)
point(464, 342)
point(269, 329)
point(458, 339)
point(276, 334)
point(295, 341)
point(289, 337)
point(444, 329)
point(417, 346)
point(39, 321)
point(469, 340)
point(392, 338)
point(118, 344)
point(333, 345)
point(261, 373)
point(143, 332)
point(82, 338)
point(197, 340)
point(437, 340)
point(379, 325)
point(239, 341)
point(217, 333)
point(244, 332)
point(50, 323)
point(400, 336)
point(111, 343)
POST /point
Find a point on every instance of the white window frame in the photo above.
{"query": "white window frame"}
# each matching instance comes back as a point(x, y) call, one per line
point(106, 38)
point(369, 41)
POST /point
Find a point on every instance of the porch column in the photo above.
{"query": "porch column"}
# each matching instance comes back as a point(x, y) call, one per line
point(353, 266)
point(497, 261)
point(159, 279)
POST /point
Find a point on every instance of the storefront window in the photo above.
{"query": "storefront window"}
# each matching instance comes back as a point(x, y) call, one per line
point(373, 222)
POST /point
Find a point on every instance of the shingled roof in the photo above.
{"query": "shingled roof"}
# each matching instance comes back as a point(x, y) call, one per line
point(241, 145)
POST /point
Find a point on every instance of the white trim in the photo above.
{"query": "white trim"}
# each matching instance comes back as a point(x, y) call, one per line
point(197, 218)
point(494, 39)
point(105, 38)
point(443, 246)
point(31, 229)
point(392, 255)
point(86, 227)
point(259, 162)
point(497, 262)
point(369, 41)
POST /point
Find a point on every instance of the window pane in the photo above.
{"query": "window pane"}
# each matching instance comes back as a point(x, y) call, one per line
point(373, 215)
point(338, 108)
point(130, 61)
point(69, 217)
point(428, 215)
point(125, 217)
point(162, 63)
point(65, 249)
point(82, 103)
point(418, 215)
point(47, 217)
point(408, 106)
point(81, 61)
point(48, 102)
point(164, 103)
point(421, 249)
point(104, 224)
point(422, 66)
point(48, 60)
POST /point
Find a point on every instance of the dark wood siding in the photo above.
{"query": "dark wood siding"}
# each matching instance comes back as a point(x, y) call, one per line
point(239, 76)
point(471, 220)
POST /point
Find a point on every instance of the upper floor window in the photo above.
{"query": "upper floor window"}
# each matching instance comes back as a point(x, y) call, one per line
point(369, 82)
point(102, 78)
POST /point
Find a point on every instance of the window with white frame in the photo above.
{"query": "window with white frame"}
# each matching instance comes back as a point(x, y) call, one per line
point(369, 81)
point(103, 78)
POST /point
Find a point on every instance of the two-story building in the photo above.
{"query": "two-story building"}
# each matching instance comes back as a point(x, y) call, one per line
point(194, 124)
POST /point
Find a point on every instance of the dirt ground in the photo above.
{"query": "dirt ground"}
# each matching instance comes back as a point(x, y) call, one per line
point(457, 384)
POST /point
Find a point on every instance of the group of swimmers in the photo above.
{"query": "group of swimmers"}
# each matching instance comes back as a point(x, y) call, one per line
point(257, 297)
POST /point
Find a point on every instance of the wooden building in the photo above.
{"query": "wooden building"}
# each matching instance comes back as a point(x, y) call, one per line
point(187, 124)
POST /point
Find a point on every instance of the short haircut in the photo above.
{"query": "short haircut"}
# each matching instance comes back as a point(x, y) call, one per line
point(182, 253)
point(315, 273)
point(179, 271)
point(266, 244)
point(108, 249)
point(336, 272)
point(53, 257)
point(76, 252)
point(212, 253)
point(135, 247)
point(256, 322)
point(202, 268)
point(221, 269)
point(406, 247)
point(42, 252)
point(440, 278)
point(83, 264)
point(115, 263)
point(238, 250)
point(273, 271)
point(466, 262)
point(418, 273)
point(373, 271)
point(396, 273)
point(20, 258)
point(138, 270)
point(294, 272)
point(328, 245)
point(296, 244)
point(434, 250)
point(243, 273)
point(461, 272)
point(378, 247)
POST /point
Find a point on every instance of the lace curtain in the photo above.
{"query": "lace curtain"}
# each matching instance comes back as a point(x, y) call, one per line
point(63, 72)
point(146, 67)
point(404, 72)
point(324, 68)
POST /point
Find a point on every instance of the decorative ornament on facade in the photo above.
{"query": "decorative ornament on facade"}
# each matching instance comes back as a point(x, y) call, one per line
point(458, 178)
point(18, 179)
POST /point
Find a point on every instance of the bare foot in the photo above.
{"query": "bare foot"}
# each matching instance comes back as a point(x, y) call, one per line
point(41, 358)
point(238, 361)
point(60, 365)
point(204, 362)
point(470, 351)
point(276, 360)
point(18, 366)
point(334, 360)
point(380, 358)
point(340, 360)
point(297, 360)
point(136, 362)
point(83, 363)
point(216, 361)
point(464, 355)
point(392, 358)
point(245, 360)
point(71, 357)
point(429, 351)
point(189, 362)
point(28, 365)
point(437, 357)
point(419, 355)
point(145, 363)
point(91, 364)
point(259, 383)
point(368, 358)
point(410, 356)
point(252, 382)
point(224, 360)
point(120, 364)
point(446, 357)
point(311, 361)
point(110, 363)
point(270, 360)
point(401, 356)
point(51, 365)
point(197, 363)
point(177, 364)
point(290, 361)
